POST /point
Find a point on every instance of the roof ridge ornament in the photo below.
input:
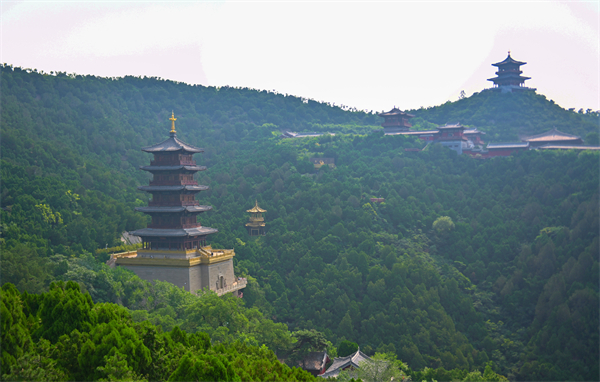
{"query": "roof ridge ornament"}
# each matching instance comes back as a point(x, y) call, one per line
point(172, 119)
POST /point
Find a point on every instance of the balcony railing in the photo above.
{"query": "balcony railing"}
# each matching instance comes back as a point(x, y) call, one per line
point(239, 284)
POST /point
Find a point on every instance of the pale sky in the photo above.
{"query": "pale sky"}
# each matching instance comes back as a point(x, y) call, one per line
point(368, 55)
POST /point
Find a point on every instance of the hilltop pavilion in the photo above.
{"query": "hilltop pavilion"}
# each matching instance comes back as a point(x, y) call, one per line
point(508, 77)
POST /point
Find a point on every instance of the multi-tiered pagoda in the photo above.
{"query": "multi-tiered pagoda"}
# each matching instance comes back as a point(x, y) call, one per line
point(509, 74)
point(174, 244)
point(174, 208)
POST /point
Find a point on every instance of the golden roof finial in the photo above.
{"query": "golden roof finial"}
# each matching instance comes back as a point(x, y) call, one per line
point(172, 119)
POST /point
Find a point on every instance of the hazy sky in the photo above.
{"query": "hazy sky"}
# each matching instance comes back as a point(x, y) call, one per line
point(368, 55)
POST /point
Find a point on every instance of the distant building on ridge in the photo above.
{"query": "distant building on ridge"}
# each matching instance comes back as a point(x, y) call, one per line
point(395, 121)
point(508, 77)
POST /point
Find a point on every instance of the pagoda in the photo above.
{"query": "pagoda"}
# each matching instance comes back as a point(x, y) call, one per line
point(174, 244)
point(256, 225)
point(396, 120)
point(509, 74)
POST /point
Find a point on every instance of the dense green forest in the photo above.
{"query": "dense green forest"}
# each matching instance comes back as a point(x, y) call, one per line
point(467, 263)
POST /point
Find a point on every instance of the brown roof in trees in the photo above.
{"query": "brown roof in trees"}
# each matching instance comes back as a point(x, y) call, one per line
point(552, 135)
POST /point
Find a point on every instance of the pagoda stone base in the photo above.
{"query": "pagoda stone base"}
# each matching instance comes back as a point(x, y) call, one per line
point(208, 269)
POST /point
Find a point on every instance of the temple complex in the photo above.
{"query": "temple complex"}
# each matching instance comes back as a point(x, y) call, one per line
point(508, 77)
point(174, 245)
point(396, 120)
point(256, 225)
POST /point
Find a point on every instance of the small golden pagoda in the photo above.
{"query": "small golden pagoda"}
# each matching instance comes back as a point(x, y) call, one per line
point(256, 225)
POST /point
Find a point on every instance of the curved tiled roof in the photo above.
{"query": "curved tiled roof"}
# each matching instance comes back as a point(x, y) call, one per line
point(172, 188)
point(172, 144)
point(509, 60)
point(256, 208)
point(552, 135)
point(342, 363)
point(395, 111)
point(173, 168)
point(457, 125)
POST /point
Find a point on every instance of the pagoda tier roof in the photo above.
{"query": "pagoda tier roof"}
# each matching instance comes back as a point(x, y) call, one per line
point(509, 60)
point(172, 188)
point(510, 145)
point(173, 168)
point(256, 208)
point(253, 224)
point(395, 111)
point(175, 209)
point(172, 144)
point(178, 232)
point(509, 77)
point(552, 135)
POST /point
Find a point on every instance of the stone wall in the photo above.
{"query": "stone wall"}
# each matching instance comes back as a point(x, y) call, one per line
point(191, 278)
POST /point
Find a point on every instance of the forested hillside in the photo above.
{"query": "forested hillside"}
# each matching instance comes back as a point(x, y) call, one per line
point(465, 262)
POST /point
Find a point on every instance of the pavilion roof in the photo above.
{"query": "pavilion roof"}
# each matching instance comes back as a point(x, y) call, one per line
point(509, 60)
point(256, 208)
point(340, 363)
point(395, 111)
point(552, 135)
point(172, 144)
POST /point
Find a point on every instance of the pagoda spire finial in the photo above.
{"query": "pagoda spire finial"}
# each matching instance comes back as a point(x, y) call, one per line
point(172, 119)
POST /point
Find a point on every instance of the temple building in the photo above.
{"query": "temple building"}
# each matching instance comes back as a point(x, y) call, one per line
point(553, 137)
point(256, 225)
point(508, 77)
point(174, 245)
point(396, 120)
point(351, 362)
